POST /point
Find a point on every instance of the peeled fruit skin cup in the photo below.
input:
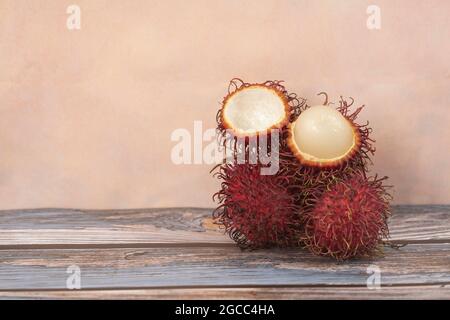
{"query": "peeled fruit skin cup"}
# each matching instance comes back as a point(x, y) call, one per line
point(322, 132)
point(254, 108)
point(321, 136)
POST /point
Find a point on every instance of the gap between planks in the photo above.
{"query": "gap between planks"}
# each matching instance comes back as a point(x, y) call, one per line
point(150, 245)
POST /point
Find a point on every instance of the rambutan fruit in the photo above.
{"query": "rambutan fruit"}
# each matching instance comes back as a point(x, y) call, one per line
point(325, 137)
point(326, 144)
point(252, 110)
point(257, 211)
point(349, 219)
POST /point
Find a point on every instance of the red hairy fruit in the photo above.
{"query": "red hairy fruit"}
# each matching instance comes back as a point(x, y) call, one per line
point(349, 219)
point(314, 174)
point(257, 211)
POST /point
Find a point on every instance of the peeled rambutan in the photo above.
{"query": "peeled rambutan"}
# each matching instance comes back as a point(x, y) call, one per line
point(325, 137)
point(326, 144)
point(257, 211)
point(256, 207)
point(252, 110)
point(349, 219)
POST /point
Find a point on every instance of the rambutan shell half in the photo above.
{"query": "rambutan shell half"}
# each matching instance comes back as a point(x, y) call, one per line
point(253, 109)
point(332, 138)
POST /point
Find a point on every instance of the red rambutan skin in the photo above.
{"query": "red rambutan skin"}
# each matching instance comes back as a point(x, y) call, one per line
point(257, 211)
point(349, 219)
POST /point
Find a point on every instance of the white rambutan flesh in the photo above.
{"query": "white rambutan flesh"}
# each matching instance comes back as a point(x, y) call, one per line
point(322, 136)
point(254, 108)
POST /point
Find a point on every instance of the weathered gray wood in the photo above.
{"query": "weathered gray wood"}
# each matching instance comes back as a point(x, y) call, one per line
point(149, 227)
point(109, 227)
point(312, 293)
point(420, 223)
point(216, 266)
point(180, 253)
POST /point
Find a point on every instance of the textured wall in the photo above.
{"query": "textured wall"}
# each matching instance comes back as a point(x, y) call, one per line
point(86, 115)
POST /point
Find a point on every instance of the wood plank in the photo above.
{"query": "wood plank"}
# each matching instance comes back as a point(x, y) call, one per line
point(149, 227)
point(420, 223)
point(415, 264)
point(108, 227)
point(264, 293)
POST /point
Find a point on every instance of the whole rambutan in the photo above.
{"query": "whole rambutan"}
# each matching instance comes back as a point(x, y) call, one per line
point(349, 219)
point(256, 207)
point(257, 210)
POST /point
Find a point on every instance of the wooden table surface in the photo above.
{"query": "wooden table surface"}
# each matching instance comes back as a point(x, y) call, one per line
point(178, 253)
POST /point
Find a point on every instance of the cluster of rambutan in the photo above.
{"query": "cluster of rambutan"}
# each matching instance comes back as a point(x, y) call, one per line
point(320, 197)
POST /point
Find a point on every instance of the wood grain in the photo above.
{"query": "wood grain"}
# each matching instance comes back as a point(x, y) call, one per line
point(425, 292)
point(180, 253)
point(216, 266)
point(412, 224)
point(152, 227)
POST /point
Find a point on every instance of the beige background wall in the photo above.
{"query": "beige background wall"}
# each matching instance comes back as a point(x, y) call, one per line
point(86, 116)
